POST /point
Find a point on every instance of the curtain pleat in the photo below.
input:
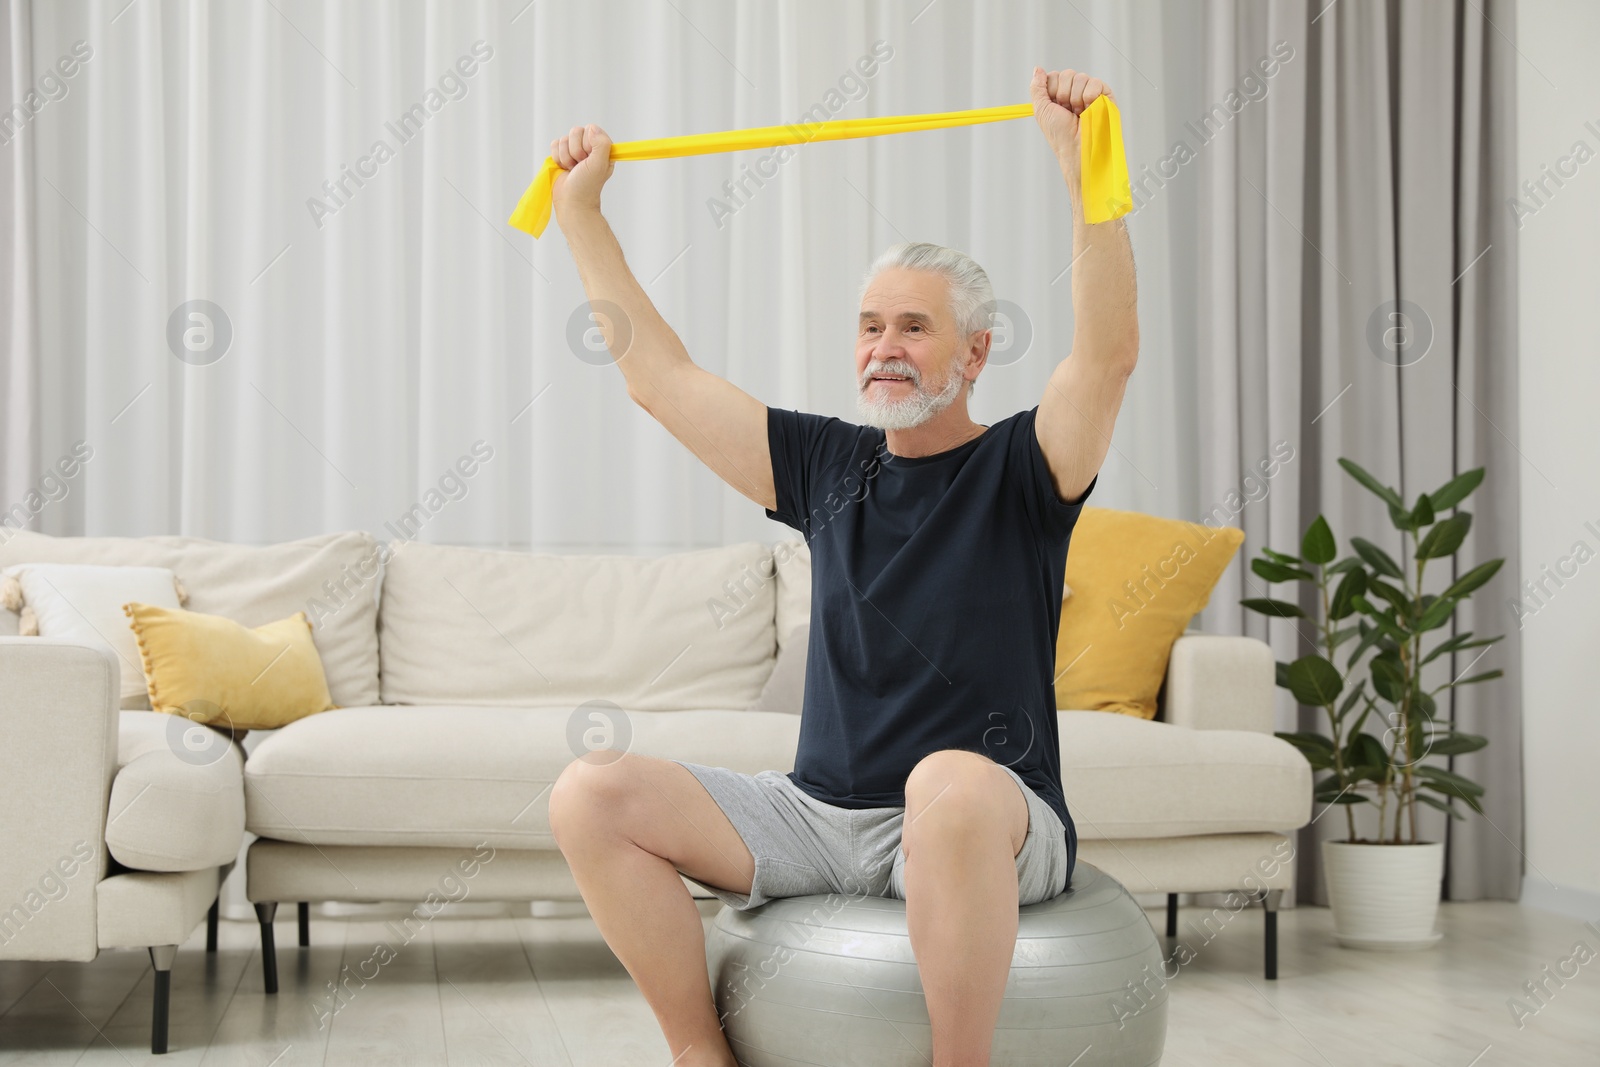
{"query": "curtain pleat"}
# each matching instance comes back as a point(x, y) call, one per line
point(20, 409)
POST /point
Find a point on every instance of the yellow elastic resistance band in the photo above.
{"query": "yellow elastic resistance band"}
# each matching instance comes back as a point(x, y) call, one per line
point(1104, 166)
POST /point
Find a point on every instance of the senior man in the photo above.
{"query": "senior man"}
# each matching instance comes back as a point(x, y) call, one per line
point(928, 760)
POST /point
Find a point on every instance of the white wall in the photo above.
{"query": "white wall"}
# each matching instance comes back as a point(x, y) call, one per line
point(1558, 108)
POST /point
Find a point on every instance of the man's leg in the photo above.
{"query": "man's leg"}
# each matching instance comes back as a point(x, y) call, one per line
point(627, 827)
point(965, 823)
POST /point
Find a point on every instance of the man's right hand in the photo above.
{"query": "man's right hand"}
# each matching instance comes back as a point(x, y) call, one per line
point(585, 158)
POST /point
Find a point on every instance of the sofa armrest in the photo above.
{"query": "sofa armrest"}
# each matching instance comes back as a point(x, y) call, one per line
point(1221, 683)
point(59, 717)
point(178, 801)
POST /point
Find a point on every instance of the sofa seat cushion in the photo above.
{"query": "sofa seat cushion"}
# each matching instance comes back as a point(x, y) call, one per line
point(1133, 778)
point(177, 802)
point(455, 776)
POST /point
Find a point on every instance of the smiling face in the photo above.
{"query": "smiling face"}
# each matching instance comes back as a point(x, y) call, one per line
point(907, 338)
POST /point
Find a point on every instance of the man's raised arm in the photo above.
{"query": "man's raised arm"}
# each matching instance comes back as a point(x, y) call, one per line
point(716, 420)
point(1085, 391)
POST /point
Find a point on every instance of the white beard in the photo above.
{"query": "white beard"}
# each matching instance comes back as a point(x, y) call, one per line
point(905, 412)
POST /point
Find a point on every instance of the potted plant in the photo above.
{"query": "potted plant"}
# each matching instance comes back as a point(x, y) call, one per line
point(1384, 891)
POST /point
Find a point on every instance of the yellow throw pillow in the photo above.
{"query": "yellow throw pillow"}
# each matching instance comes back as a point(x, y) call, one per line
point(213, 670)
point(1136, 581)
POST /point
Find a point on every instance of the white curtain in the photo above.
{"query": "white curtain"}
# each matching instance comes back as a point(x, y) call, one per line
point(385, 321)
point(332, 181)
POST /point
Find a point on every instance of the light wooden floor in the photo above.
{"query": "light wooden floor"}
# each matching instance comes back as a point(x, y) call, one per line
point(546, 991)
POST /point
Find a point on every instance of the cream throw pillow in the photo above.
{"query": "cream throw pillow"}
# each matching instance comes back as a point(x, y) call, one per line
point(83, 602)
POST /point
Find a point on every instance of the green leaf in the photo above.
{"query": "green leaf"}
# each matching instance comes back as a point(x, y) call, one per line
point(1439, 774)
point(1388, 677)
point(1443, 806)
point(1317, 750)
point(1444, 648)
point(1376, 558)
point(1314, 681)
point(1451, 784)
point(1456, 489)
point(1318, 546)
point(1280, 609)
point(1278, 572)
point(1455, 743)
point(1279, 556)
point(1436, 614)
point(1342, 566)
point(1353, 584)
point(1385, 623)
point(1392, 594)
point(1422, 514)
point(1402, 519)
point(1339, 637)
point(1354, 695)
point(1282, 674)
point(1472, 802)
point(1329, 791)
point(1389, 496)
point(1484, 677)
point(1369, 637)
point(1445, 538)
point(1459, 643)
point(1425, 704)
point(1471, 580)
point(1366, 752)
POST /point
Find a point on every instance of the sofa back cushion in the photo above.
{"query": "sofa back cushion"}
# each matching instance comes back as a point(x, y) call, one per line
point(792, 559)
point(670, 633)
point(332, 577)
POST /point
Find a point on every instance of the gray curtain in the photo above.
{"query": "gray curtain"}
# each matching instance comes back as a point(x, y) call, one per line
point(1361, 188)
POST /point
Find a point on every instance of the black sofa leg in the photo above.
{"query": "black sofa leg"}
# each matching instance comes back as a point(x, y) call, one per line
point(303, 915)
point(1172, 915)
point(211, 926)
point(1270, 899)
point(265, 913)
point(161, 956)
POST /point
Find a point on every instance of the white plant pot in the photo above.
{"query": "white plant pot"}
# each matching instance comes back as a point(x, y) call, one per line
point(1384, 896)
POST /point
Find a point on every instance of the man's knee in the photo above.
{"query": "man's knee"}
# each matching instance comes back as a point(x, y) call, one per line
point(591, 793)
point(957, 792)
point(954, 784)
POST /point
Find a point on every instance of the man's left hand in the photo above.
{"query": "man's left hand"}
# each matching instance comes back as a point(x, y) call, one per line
point(1059, 97)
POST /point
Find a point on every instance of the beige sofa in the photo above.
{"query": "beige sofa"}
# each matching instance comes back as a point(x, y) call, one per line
point(478, 675)
point(117, 830)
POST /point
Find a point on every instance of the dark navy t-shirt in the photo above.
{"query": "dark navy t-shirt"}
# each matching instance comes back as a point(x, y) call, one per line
point(936, 589)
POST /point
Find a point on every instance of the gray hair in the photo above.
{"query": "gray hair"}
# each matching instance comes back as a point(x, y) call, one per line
point(971, 296)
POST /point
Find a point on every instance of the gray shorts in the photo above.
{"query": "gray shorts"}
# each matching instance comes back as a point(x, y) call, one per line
point(802, 845)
